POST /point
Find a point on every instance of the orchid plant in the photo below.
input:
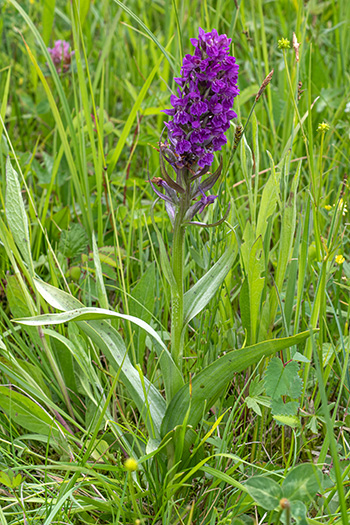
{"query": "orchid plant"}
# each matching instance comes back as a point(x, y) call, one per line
point(200, 116)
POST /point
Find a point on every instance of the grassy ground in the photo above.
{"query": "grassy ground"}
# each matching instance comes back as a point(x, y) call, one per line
point(78, 216)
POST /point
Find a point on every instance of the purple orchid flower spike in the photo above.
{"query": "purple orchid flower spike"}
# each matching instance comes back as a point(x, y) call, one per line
point(200, 115)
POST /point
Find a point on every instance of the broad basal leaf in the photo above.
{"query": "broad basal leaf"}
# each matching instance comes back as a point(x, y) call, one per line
point(111, 344)
point(208, 385)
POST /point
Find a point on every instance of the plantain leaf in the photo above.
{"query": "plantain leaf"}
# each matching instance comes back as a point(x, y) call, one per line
point(16, 215)
point(204, 290)
point(212, 380)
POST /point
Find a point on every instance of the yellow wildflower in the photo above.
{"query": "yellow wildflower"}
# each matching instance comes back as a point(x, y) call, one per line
point(323, 127)
point(339, 259)
point(130, 464)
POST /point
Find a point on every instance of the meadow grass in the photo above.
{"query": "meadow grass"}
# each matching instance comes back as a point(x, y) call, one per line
point(78, 213)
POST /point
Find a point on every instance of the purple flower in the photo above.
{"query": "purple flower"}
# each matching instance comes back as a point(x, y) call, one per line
point(201, 112)
point(61, 56)
point(200, 115)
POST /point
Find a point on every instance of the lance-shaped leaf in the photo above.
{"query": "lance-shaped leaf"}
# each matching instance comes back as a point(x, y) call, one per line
point(204, 290)
point(171, 374)
point(209, 384)
point(111, 344)
point(16, 215)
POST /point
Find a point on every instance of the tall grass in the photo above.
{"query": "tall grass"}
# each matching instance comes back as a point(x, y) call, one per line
point(82, 144)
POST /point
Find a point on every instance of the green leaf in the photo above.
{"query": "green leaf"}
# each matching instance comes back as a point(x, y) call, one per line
point(256, 266)
point(26, 413)
point(48, 18)
point(171, 374)
point(281, 408)
point(300, 358)
point(268, 201)
point(298, 511)
point(141, 305)
point(246, 246)
point(21, 304)
point(16, 215)
point(62, 301)
point(101, 290)
point(244, 305)
point(302, 483)
point(253, 405)
point(282, 380)
point(84, 6)
point(9, 479)
point(290, 421)
point(204, 290)
point(208, 384)
point(264, 491)
point(246, 161)
point(73, 242)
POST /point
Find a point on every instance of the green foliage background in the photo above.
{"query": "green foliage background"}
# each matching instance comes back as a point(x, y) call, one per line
point(82, 144)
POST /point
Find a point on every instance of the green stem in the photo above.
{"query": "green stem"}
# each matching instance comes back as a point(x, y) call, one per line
point(177, 292)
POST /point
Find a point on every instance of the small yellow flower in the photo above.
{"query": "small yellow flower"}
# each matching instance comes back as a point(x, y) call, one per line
point(323, 127)
point(339, 259)
point(328, 207)
point(130, 464)
point(283, 43)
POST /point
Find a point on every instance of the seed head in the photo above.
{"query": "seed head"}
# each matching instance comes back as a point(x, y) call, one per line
point(264, 85)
